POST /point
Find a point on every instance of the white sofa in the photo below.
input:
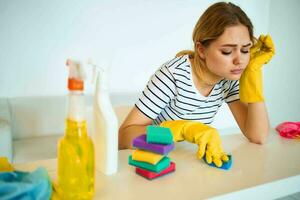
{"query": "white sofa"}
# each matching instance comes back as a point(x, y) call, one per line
point(31, 126)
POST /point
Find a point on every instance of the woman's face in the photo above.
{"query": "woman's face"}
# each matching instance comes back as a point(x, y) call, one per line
point(228, 56)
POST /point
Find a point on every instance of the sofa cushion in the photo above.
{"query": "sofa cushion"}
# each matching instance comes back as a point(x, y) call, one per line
point(31, 149)
point(43, 116)
point(45, 147)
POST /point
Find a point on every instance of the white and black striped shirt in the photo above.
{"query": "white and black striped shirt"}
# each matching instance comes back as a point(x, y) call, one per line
point(171, 95)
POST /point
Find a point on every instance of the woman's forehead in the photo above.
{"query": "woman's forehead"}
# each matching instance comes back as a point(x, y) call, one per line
point(234, 35)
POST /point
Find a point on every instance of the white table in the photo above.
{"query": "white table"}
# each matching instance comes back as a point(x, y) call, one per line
point(259, 171)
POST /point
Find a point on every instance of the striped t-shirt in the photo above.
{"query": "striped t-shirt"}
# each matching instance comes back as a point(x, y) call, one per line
point(171, 95)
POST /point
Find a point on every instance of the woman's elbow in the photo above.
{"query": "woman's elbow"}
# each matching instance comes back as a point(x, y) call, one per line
point(260, 138)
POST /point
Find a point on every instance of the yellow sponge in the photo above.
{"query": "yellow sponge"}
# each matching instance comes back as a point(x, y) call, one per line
point(146, 156)
point(5, 166)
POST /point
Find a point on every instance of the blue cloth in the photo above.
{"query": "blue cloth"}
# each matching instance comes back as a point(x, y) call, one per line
point(225, 165)
point(19, 185)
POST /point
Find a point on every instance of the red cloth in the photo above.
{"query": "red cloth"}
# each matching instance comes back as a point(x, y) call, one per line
point(289, 130)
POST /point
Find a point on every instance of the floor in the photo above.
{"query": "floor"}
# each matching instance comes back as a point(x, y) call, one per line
point(295, 196)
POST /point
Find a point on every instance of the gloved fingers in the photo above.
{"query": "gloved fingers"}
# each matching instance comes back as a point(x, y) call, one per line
point(208, 157)
point(214, 145)
point(259, 59)
point(262, 52)
point(256, 46)
point(268, 44)
point(213, 148)
point(225, 158)
point(268, 49)
point(262, 38)
point(264, 44)
point(202, 144)
point(217, 160)
point(217, 156)
point(217, 151)
point(201, 149)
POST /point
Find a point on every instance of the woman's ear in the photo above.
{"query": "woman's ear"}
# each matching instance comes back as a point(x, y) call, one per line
point(200, 48)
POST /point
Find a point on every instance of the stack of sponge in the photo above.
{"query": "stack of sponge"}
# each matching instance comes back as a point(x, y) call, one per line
point(150, 158)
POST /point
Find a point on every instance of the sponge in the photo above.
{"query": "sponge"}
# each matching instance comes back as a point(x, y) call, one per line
point(225, 165)
point(161, 165)
point(160, 135)
point(146, 156)
point(141, 143)
point(151, 175)
point(5, 166)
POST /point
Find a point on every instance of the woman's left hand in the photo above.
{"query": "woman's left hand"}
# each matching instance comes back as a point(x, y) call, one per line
point(261, 52)
point(251, 86)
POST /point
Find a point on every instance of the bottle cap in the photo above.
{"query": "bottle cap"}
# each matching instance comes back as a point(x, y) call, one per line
point(76, 75)
point(75, 84)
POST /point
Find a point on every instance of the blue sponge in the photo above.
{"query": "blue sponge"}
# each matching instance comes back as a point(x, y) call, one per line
point(226, 165)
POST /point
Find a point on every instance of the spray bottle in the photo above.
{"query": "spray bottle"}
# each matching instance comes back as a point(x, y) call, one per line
point(76, 166)
point(105, 134)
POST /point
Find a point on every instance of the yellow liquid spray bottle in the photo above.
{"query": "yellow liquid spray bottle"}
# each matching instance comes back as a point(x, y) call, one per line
point(76, 162)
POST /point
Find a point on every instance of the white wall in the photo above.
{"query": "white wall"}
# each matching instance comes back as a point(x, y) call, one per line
point(133, 38)
point(282, 75)
point(136, 36)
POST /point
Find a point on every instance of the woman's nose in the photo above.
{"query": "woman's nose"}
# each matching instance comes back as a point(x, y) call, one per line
point(237, 58)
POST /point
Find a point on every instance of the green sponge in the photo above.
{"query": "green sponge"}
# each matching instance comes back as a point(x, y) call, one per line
point(160, 135)
point(161, 165)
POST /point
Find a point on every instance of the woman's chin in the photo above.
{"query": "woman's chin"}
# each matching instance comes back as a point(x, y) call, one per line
point(234, 77)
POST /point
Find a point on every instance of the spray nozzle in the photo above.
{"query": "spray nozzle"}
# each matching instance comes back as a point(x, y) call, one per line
point(96, 69)
point(76, 75)
point(99, 75)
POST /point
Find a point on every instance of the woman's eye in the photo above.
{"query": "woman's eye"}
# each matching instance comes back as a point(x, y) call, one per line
point(226, 52)
point(245, 51)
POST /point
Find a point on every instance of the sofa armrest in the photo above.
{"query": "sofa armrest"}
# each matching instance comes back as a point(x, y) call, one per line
point(6, 148)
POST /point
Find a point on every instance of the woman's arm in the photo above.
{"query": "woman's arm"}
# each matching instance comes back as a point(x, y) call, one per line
point(252, 116)
point(252, 119)
point(134, 125)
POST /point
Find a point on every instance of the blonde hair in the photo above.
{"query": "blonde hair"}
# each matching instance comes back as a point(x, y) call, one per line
point(211, 25)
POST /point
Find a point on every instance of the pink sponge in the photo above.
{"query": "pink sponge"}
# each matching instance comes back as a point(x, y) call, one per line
point(151, 175)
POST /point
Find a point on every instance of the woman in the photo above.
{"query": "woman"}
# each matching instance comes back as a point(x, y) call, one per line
point(192, 86)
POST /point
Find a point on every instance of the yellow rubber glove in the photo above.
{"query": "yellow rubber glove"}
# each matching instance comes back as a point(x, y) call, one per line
point(251, 86)
point(206, 137)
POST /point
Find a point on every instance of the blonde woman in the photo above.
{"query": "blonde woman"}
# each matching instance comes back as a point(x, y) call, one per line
point(185, 93)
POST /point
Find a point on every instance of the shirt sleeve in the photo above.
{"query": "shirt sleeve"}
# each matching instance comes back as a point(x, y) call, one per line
point(233, 92)
point(158, 93)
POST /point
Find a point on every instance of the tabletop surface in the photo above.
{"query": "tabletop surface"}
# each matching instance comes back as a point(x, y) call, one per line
point(253, 165)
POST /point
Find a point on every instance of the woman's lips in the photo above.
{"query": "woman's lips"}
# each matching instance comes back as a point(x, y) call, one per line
point(237, 71)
